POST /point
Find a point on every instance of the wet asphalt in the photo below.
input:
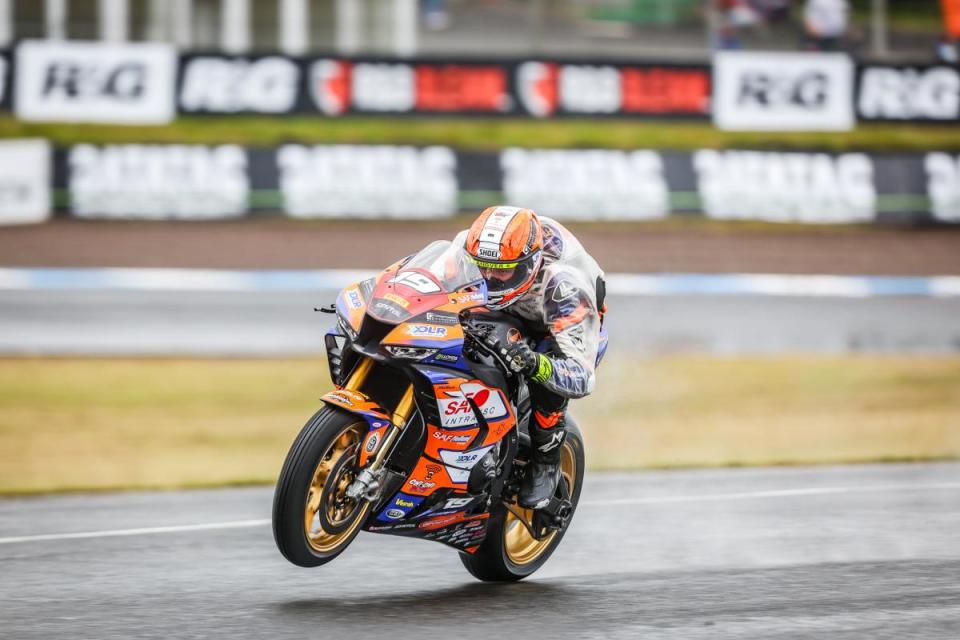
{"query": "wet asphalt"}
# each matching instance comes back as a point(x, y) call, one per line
point(867, 551)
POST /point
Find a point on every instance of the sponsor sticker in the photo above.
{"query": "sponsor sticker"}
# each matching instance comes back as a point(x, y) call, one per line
point(450, 437)
point(420, 485)
point(459, 463)
point(372, 441)
point(426, 331)
point(455, 410)
point(395, 299)
point(395, 514)
point(416, 281)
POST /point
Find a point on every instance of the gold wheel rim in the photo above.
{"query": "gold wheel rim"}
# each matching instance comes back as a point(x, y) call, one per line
point(337, 513)
point(520, 545)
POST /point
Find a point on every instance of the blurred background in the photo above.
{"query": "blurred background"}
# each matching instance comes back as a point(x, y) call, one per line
point(772, 187)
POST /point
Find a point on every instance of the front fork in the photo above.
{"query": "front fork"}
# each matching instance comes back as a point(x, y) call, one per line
point(369, 483)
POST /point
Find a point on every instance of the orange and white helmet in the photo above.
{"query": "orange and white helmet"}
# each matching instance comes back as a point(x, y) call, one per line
point(506, 244)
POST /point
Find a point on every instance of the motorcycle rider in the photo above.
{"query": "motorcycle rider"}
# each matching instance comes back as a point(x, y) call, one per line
point(539, 272)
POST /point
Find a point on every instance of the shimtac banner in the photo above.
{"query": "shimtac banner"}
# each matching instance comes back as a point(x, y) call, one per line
point(158, 182)
point(95, 82)
point(196, 182)
point(914, 93)
point(25, 179)
point(763, 91)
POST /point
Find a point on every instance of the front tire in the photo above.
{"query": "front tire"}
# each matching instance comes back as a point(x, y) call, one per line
point(313, 521)
point(509, 552)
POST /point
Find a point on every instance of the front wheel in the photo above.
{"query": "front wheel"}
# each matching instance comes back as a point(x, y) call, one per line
point(313, 520)
point(510, 552)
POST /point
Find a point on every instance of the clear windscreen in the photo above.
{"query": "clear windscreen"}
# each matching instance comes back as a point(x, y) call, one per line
point(449, 263)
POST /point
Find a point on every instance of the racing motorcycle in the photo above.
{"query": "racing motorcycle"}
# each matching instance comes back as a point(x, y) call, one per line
point(426, 433)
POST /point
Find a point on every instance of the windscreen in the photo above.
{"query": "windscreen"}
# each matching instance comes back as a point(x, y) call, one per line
point(449, 263)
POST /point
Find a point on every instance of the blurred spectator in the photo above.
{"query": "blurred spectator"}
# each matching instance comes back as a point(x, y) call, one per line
point(732, 16)
point(947, 50)
point(435, 15)
point(826, 23)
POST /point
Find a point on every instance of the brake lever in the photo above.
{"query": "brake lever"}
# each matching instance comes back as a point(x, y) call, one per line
point(331, 309)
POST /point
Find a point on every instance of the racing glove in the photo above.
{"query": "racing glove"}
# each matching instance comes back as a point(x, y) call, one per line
point(521, 359)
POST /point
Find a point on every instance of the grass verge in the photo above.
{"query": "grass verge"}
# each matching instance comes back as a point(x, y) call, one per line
point(489, 134)
point(81, 424)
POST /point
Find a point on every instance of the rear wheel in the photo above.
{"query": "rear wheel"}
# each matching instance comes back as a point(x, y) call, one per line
point(510, 551)
point(313, 520)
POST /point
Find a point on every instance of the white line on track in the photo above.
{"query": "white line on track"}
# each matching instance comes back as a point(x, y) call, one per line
point(714, 497)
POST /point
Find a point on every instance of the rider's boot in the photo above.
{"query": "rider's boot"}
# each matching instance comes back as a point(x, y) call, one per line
point(543, 470)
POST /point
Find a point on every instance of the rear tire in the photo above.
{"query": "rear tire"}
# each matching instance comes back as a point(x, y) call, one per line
point(312, 520)
point(509, 553)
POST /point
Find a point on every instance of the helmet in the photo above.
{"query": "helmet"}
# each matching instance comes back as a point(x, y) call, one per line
point(506, 243)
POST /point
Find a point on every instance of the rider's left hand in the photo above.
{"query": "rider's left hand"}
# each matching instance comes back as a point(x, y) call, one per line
point(518, 356)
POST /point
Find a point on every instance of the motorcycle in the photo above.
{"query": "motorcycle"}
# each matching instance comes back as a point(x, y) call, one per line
point(426, 433)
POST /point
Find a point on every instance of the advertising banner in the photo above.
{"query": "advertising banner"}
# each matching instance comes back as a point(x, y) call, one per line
point(762, 91)
point(352, 181)
point(95, 82)
point(158, 182)
point(223, 84)
point(609, 89)
point(196, 182)
point(587, 185)
point(334, 86)
point(908, 93)
point(25, 180)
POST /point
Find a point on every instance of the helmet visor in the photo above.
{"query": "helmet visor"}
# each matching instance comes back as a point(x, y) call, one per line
point(503, 278)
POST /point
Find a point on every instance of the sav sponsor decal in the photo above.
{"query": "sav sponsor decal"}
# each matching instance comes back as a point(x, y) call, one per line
point(455, 409)
point(449, 437)
point(233, 85)
point(763, 91)
point(95, 82)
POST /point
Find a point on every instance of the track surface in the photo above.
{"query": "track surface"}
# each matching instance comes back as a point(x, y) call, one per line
point(164, 323)
point(828, 552)
point(695, 247)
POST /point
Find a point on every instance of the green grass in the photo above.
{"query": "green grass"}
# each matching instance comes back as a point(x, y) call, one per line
point(490, 134)
point(84, 424)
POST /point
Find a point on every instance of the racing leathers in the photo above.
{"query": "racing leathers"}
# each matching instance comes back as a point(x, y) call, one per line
point(562, 311)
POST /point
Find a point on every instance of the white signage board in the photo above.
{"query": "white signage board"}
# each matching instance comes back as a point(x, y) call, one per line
point(158, 182)
point(809, 188)
point(25, 181)
point(760, 91)
point(336, 181)
point(595, 184)
point(95, 82)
